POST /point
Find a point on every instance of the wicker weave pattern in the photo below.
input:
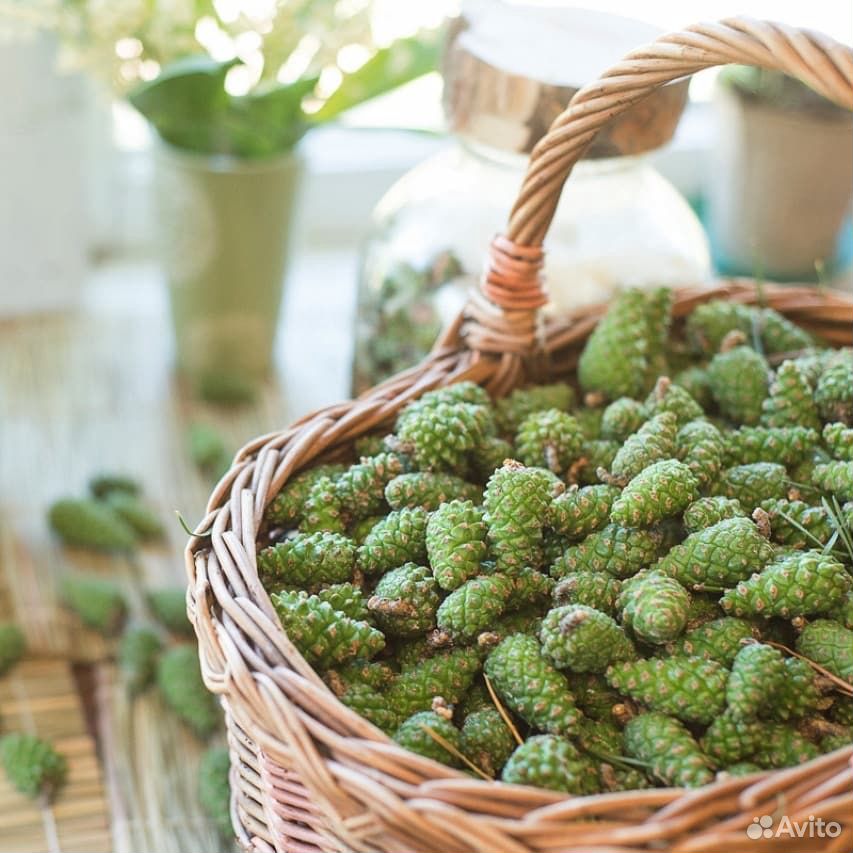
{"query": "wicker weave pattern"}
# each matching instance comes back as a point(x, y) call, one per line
point(307, 773)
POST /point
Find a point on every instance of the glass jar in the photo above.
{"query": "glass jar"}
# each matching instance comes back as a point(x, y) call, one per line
point(620, 224)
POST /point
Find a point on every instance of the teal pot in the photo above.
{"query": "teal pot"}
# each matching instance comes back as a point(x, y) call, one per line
point(223, 231)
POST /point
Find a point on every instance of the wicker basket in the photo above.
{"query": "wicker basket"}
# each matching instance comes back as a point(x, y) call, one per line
point(307, 773)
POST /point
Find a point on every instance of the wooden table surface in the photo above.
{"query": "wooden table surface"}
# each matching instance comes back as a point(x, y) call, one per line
point(90, 391)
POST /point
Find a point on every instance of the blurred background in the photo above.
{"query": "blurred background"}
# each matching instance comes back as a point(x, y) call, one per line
point(218, 215)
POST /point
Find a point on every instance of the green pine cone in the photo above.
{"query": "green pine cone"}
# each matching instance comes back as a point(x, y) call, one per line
point(99, 603)
point(526, 621)
point(516, 502)
point(795, 524)
point(778, 333)
point(323, 635)
point(835, 477)
point(802, 583)
point(834, 390)
point(582, 639)
point(830, 645)
point(706, 512)
point(360, 490)
point(783, 746)
point(488, 456)
point(142, 519)
point(655, 440)
point(89, 523)
point(730, 739)
point(473, 607)
point(369, 703)
point(348, 599)
point(654, 607)
point(720, 555)
point(669, 397)
point(214, 789)
point(456, 543)
point(660, 491)
point(399, 538)
point(800, 693)
point(590, 419)
point(307, 559)
point(594, 696)
point(369, 445)
point(694, 380)
point(692, 689)
point(476, 698)
point(529, 686)
point(405, 601)
point(839, 439)
point(752, 484)
point(446, 674)
point(783, 445)
point(181, 685)
point(414, 735)
point(429, 490)
point(740, 768)
point(669, 749)
point(622, 418)
point(286, 508)
point(12, 646)
point(790, 402)
point(549, 439)
point(700, 446)
point(593, 589)
point(619, 551)
point(596, 453)
point(169, 607)
point(358, 530)
point(548, 761)
point(137, 658)
point(843, 613)
point(739, 380)
point(486, 740)
point(375, 674)
point(323, 510)
point(758, 673)
point(523, 402)
point(709, 323)
point(32, 765)
point(719, 640)
point(528, 588)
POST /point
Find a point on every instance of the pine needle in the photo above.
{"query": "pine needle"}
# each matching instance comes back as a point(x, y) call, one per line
point(502, 711)
point(446, 744)
point(807, 533)
point(836, 516)
point(186, 527)
point(840, 684)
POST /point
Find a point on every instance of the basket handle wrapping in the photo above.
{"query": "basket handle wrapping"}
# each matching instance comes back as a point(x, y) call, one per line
point(501, 319)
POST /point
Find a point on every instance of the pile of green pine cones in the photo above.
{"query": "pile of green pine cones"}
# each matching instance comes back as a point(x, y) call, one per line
point(651, 588)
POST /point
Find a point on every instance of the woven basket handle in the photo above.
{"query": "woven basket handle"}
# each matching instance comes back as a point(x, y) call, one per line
point(505, 321)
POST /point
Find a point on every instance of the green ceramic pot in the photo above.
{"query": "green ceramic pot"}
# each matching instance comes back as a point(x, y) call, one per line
point(224, 227)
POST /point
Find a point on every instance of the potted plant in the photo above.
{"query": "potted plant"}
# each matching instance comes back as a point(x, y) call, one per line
point(780, 188)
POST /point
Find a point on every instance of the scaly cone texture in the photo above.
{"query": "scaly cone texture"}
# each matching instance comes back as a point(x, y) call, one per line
point(655, 440)
point(783, 445)
point(474, 606)
point(361, 488)
point(413, 735)
point(751, 484)
point(286, 508)
point(447, 674)
point(137, 658)
point(214, 790)
point(619, 551)
point(829, 645)
point(778, 333)
point(322, 511)
point(839, 439)
point(181, 685)
point(719, 640)
point(168, 606)
point(595, 454)
point(622, 418)
point(758, 674)
point(799, 694)
point(358, 530)
point(529, 588)
point(405, 601)
point(429, 490)
point(700, 446)
point(739, 380)
point(795, 524)
point(654, 607)
point(346, 598)
point(324, 636)
point(550, 439)
point(99, 603)
point(32, 765)
point(578, 512)
point(528, 685)
point(834, 390)
point(692, 689)
point(706, 512)
point(835, 477)
point(367, 702)
point(12, 646)
point(594, 589)
point(709, 323)
point(730, 739)
point(783, 746)
point(790, 403)
point(582, 639)
point(486, 740)
point(490, 455)
point(594, 696)
point(306, 559)
point(516, 501)
point(456, 543)
point(668, 397)
point(91, 524)
point(695, 381)
point(669, 749)
point(399, 538)
point(721, 555)
point(803, 583)
point(660, 491)
point(522, 402)
point(548, 761)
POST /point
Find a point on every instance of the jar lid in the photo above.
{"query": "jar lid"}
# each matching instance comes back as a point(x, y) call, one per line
point(509, 70)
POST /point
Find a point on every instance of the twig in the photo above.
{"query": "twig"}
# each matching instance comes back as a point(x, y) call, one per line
point(446, 744)
point(840, 684)
point(502, 711)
